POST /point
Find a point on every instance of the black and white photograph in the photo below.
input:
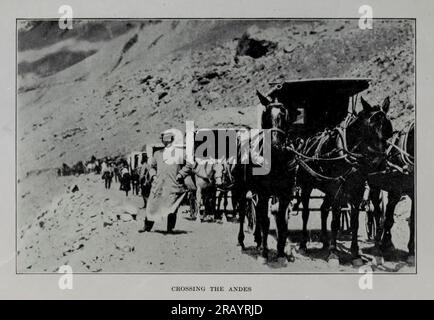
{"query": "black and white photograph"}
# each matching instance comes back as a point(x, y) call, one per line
point(216, 145)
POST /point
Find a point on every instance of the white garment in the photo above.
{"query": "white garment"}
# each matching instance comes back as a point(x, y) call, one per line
point(104, 167)
point(124, 170)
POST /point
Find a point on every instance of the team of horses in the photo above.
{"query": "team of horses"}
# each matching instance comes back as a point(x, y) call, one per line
point(338, 161)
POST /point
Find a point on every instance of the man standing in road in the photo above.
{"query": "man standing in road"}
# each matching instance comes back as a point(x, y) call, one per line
point(167, 191)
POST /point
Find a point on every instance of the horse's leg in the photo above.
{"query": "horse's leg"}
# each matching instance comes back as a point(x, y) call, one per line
point(213, 199)
point(393, 199)
point(375, 217)
point(146, 193)
point(143, 194)
point(335, 225)
point(236, 199)
point(375, 222)
point(264, 222)
point(219, 200)
point(250, 206)
point(241, 199)
point(357, 261)
point(225, 202)
point(209, 202)
point(410, 246)
point(193, 204)
point(199, 217)
point(325, 208)
point(282, 227)
point(257, 234)
point(205, 203)
point(305, 197)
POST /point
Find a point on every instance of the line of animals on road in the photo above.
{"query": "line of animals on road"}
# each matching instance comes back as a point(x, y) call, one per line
point(341, 162)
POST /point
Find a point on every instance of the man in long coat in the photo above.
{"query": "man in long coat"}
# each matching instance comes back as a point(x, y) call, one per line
point(168, 188)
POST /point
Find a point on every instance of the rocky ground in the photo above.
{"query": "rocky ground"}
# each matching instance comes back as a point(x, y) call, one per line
point(107, 90)
point(96, 230)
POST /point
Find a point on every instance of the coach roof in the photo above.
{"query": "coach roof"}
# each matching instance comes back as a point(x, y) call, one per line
point(339, 87)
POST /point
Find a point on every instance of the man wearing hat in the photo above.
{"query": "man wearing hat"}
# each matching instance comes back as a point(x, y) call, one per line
point(167, 191)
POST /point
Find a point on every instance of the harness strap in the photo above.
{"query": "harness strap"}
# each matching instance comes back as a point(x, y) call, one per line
point(399, 142)
point(392, 142)
point(402, 151)
point(276, 129)
point(319, 176)
point(307, 158)
point(319, 141)
point(343, 136)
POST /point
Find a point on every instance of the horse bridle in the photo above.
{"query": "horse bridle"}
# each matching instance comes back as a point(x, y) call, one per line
point(285, 111)
point(225, 172)
point(349, 120)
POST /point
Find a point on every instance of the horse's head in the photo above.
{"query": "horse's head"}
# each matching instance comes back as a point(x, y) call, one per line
point(277, 118)
point(223, 173)
point(369, 131)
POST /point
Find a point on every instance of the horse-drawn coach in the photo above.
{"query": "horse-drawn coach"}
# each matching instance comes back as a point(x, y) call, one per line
point(320, 138)
point(319, 104)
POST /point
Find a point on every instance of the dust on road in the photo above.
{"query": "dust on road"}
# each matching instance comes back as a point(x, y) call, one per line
point(93, 230)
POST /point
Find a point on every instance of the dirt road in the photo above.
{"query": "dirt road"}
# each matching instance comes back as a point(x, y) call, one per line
point(90, 231)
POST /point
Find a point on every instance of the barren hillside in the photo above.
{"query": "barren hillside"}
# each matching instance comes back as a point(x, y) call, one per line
point(146, 77)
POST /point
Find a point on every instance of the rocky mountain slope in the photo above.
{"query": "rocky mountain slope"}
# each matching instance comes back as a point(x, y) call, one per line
point(152, 76)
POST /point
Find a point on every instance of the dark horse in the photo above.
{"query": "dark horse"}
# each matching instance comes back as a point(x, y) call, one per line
point(338, 162)
point(398, 180)
point(277, 183)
